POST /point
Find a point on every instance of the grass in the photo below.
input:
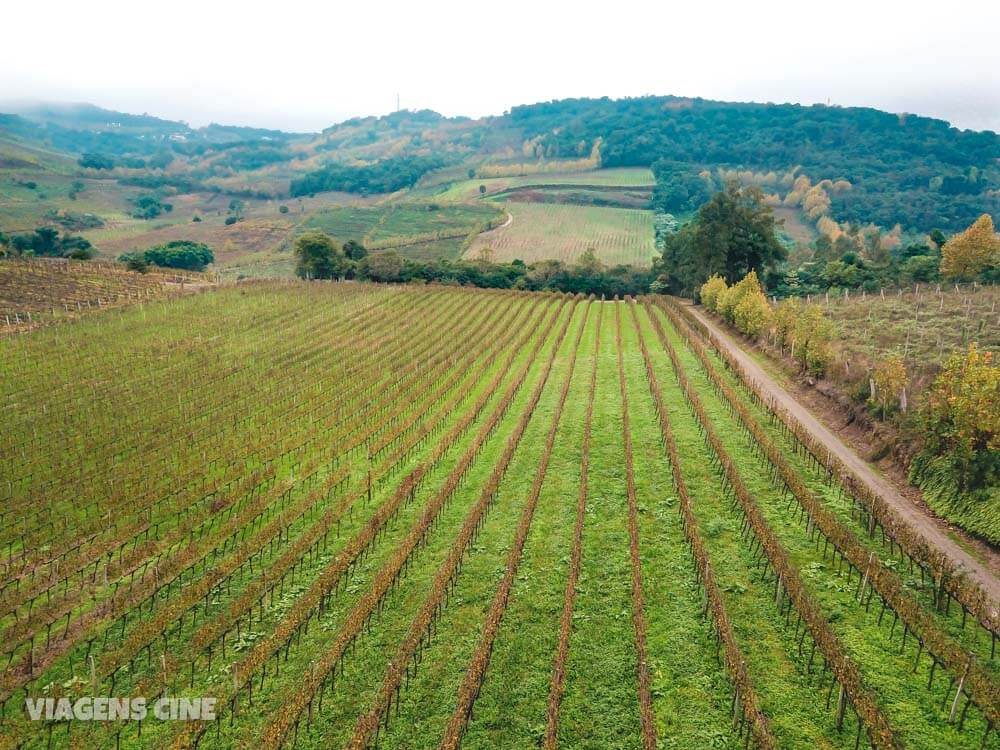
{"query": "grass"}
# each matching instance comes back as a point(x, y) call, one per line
point(564, 232)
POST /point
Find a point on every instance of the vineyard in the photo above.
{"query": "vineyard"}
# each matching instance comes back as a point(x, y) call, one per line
point(924, 325)
point(39, 291)
point(425, 517)
point(622, 177)
point(545, 231)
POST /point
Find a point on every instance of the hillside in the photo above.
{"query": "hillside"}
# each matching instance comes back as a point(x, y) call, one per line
point(902, 169)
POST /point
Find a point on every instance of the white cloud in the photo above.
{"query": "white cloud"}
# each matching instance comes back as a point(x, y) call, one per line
point(303, 65)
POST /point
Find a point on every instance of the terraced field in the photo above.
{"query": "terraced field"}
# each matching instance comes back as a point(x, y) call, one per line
point(620, 177)
point(417, 517)
point(550, 231)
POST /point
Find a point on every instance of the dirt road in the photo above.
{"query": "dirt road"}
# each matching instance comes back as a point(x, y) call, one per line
point(933, 530)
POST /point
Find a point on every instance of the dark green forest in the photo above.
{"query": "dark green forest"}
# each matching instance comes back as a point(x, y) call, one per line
point(915, 171)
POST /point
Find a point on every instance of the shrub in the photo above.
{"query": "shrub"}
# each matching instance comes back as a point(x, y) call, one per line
point(785, 317)
point(135, 262)
point(729, 299)
point(812, 334)
point(753, 315)
point(889, 380)
point(190, 256)
point(711, 290)
point(961, 417)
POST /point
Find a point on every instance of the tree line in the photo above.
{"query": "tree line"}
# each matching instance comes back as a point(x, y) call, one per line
point(319, 256)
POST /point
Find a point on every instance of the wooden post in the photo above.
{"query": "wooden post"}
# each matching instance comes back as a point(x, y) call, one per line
point(841, 705)
point(958, 693)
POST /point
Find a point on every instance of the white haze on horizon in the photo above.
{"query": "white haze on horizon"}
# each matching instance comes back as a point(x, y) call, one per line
point(300, 66)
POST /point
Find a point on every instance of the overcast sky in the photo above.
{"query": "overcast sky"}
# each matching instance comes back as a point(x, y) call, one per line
point(303, 66)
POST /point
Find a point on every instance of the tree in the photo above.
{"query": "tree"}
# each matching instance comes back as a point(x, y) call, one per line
point(149, 206)
point(733, 234)
point(711, 290)
point(969, 253)
point(46, 242)
point(889, 383)
point(183, 254)
point(753, 315)
point(961, 419)
point(472, 173)
point(94, 160)
point(318, 256)
point(937, 237)
point(355, 250)
point(386, 266)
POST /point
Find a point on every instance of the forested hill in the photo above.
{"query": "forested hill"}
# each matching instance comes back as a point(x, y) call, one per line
point(916, 171)
point(889, 169)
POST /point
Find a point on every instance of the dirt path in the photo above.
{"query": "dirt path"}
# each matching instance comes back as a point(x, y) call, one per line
point(933, 529)
point(488, 233)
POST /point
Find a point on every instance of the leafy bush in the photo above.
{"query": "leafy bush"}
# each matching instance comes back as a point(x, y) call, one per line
point(149, 206)
point(959, 466)
point(729, 299)
point(96, 161)
point(46, 242)
point(753, 314)
point(812, 336)
point(190, 256)
point(711, 290)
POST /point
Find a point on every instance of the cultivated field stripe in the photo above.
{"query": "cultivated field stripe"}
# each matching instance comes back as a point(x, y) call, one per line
point(558, 683)
point(476, 673)
point(638, 613)
point(599, 706)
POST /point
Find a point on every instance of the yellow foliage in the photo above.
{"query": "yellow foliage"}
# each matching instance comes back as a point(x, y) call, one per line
point(829, 227)
point(890, 379)
point(711, 290)
point(730, 298)
point(752, 315)
point(969, 252)
point(961, 416)
point(808, 332)
point(816, 202)
point(785, 317)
